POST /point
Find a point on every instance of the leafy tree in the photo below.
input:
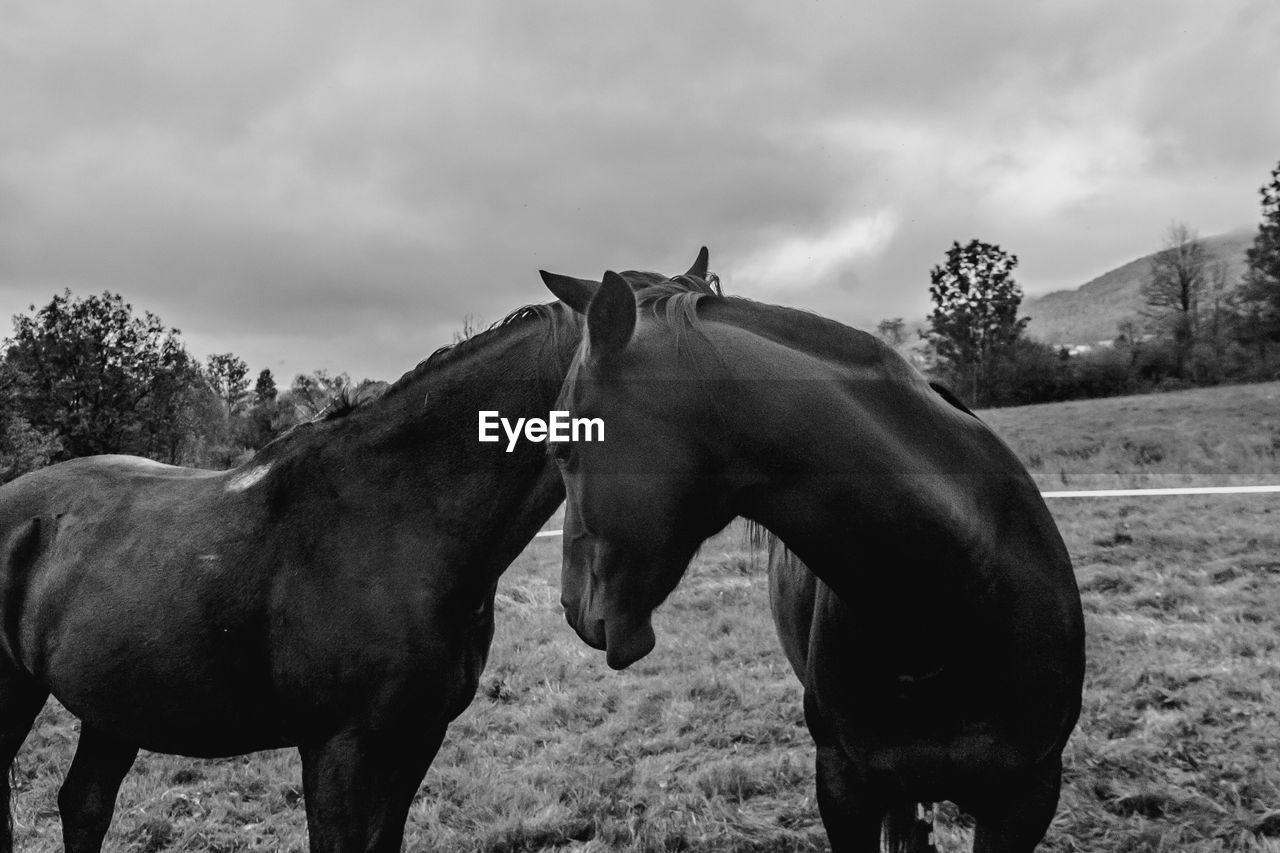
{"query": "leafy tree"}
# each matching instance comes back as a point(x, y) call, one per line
point(23, 448)
point(974, 323)
point(1174, 287)
point(227, 375)
point(311, 392)
point(91, 375)
point(270, 416)
point(184, 421)
point(1261, 292)
point(264, 390)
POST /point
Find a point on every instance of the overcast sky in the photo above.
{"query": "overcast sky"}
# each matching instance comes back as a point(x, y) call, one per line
point(337, 185)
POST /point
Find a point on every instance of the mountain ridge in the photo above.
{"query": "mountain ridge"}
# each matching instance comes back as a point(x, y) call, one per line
point(1091, 312)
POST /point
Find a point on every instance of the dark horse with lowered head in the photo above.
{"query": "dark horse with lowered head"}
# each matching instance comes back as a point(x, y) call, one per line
point(335, 593)
point(934, 621)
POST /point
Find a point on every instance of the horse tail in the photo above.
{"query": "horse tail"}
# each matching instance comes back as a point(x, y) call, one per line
point(906, 832)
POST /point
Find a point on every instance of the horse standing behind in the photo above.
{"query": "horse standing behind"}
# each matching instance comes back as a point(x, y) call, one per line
point(930, 609)
point(335, 593)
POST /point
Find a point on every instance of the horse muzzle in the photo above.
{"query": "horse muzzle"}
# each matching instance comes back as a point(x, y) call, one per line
point(627, 639)
point(624, 638)
point(590, 631)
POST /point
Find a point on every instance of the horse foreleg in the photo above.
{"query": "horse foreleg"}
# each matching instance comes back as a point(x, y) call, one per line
point(358, 787)
point(20, 701)
point(849, 813)
point(88, 794)
point(1016, 822)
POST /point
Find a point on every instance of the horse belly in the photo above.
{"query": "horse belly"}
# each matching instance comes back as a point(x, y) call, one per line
point(170, 696)
point(146, 657)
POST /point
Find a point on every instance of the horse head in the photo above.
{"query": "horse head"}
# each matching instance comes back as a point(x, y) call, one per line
point(634, 518)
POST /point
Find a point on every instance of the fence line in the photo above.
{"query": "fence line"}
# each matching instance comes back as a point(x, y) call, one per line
point(1188, 490)
point(1112, 493)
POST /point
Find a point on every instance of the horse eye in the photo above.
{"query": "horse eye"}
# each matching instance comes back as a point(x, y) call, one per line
point(561, 450)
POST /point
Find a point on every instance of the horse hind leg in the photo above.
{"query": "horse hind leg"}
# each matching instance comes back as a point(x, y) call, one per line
point(88, 794)
point(1017, 822)
point(21, 699)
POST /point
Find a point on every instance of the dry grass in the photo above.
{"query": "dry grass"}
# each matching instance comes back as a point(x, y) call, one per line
point(701, 746)
point(1208, 436)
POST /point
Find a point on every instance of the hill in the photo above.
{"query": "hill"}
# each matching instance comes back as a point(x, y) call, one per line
point(1092, 312)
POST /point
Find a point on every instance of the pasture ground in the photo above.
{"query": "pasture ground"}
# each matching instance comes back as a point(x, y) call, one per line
point(701, 746)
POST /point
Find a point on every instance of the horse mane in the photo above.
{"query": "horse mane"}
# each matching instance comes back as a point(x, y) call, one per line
point(676, 301)
point(545, 312)
point(947, 394)
point(680, 294)
point(559, 322)
point(348, 400)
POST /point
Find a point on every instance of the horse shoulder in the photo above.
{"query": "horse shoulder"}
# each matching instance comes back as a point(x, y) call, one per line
point(22, 544)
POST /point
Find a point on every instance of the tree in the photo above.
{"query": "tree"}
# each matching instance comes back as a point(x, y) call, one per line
point(892, 331)
point(264, 390)
point(22, 447)
point(470, 328)
point(1220, 310)
point(183, 415)
point(1261, 292)
point(311, 392)
point(1174, 287)
point(227, 376)
point(98, 379)
point(974, 323)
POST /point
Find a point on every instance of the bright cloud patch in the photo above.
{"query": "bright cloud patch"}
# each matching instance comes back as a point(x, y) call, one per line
point(807, 261)
point(1036, 169)
point(1048, 170)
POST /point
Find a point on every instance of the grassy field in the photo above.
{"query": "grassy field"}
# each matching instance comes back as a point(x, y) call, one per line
point(701, 746)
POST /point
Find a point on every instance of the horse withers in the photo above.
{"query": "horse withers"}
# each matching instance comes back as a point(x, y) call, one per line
point(924, 596)
point(335, 593)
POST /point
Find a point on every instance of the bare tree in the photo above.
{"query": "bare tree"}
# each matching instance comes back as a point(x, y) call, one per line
point(892, 331)
point(1221, 306)
point(470, 328)
point(1174, 286)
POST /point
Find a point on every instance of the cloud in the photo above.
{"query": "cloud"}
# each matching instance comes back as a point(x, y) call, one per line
point(320, 185)
point(802, 261)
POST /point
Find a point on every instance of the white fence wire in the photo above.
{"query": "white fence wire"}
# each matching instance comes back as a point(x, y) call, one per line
point(1112, 493)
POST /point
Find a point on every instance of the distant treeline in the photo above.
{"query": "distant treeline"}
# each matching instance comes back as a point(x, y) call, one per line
point(1040, 373)
point(1198, 326)
point(83, 376)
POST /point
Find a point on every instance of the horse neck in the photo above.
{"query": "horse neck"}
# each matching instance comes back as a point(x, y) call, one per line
point(416, 452)
point(851, 458)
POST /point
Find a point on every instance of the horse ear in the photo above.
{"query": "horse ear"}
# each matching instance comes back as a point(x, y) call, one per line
point(574, 292)
point(611, 317)
point(699, 268)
